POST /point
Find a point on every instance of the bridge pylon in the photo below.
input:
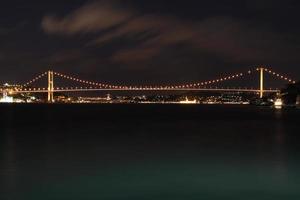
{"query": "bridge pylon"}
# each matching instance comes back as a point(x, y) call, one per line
point(50, 86)
point(261, 88)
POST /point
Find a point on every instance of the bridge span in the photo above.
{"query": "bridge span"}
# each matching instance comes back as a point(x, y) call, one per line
point(154, 89)
point(205, 86)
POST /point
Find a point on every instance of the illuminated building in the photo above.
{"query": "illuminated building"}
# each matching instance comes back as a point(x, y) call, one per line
point(187, 101)
point(6, 99)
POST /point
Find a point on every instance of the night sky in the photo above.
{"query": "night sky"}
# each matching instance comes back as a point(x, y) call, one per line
point(147, 42)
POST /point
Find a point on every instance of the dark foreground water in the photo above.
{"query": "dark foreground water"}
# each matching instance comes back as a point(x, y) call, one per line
point(145, 152)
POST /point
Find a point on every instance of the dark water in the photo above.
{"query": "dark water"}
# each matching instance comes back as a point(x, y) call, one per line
point(148, 152)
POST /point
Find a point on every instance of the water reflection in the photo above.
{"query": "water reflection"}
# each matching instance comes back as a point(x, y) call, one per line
point(228, 153)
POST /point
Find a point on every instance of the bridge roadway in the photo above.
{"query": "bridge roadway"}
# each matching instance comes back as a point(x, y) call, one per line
point(149, 89)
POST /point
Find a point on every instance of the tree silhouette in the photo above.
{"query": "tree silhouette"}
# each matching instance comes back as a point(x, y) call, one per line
point(290, 93)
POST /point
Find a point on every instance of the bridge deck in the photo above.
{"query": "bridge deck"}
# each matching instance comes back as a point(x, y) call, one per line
point(143, 89)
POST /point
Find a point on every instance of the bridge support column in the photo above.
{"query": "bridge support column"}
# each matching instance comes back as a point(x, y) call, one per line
point(261, 89)
point(50, 87)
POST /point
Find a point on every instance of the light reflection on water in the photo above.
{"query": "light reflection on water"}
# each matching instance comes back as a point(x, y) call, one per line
point(138, 152)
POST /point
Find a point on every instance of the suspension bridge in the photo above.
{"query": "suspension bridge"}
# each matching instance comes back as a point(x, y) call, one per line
point(89, 86)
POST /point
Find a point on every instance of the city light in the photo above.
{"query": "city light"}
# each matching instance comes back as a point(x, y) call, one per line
point(278, 103)
point(187, 101)
point(6, 99)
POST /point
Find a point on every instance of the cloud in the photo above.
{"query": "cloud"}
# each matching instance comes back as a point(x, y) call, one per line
point(242, 41)
point(151, 29)
point(232, 40)
point(89, 18)
point(151, 34)
point(223, 36)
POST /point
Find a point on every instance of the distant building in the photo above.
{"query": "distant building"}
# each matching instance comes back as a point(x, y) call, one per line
point(6, 98)
point(187, 101)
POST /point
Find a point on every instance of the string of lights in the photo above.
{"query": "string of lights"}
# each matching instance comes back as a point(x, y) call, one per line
point(34, 79)
point(278, 75)
point(91, 85)
point(185, 86)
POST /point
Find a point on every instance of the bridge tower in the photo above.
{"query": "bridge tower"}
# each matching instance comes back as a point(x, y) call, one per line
point(50, 86)
point(261, 89)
